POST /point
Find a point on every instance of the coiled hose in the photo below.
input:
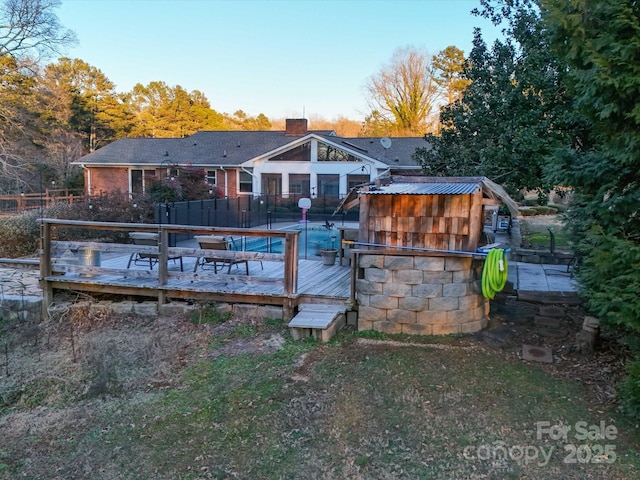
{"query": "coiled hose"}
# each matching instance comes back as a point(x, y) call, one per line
point(494, 273)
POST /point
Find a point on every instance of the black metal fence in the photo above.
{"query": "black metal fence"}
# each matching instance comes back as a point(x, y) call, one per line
point(250, 212)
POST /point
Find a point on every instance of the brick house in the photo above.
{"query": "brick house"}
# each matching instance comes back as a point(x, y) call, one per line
point(296, 161)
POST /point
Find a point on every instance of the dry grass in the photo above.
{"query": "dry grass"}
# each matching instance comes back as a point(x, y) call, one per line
point(170, 399)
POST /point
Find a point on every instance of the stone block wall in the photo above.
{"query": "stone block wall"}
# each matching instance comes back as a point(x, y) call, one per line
point(420, 294)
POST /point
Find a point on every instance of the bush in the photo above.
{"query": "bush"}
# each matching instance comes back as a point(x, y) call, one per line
point(630, 389)
point(19, 235)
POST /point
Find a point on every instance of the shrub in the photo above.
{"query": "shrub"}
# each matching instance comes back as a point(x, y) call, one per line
point(19, 235)
point(630, 389)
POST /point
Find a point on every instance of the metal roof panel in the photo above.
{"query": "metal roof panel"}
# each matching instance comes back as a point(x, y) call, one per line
point(440, 188)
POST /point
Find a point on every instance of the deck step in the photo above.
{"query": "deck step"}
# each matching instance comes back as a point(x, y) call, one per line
point(318, 321)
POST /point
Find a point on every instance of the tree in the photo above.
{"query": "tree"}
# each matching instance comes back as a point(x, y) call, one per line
point(404, 92)
point(161, 111)
point(600, 42)
point(448, 66)
point(30, 30)
point(513, 114)
point(82, 100)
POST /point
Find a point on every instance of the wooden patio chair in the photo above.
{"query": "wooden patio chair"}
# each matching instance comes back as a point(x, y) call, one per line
point(216, 242)
point(139, 258)
point(563, 256)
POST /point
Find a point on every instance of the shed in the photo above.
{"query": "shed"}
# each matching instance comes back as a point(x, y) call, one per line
point(431, 286)
point(442, 213)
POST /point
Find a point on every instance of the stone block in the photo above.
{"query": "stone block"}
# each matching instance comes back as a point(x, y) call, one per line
point(367, 286)
point(454, 264)
point(123, 308)
point(428, 317)
point(173, 308)
point(464, 276)
point(445, 329)
point(475, 287)
point(443, 304)
point(427, 290)
point(245, 311)
point(377, 275)
point(393, 262)
point(364, 324)
point(454, 290)
point(414, 304)
point(479, 313)
point(396, 289)
point(416, 329)
point(471, 327)
point(387, 327)
point(270, 311)
point(100, 309)
point(460, 316)
point(363, 299)
point(429, 264)
point(383, 301)
point(371, 314)
point(437, 277)
point(409, 277)
point(371, 261)
point(401, 316)
point(352, 317)
point(468, 302)
point(147, 309)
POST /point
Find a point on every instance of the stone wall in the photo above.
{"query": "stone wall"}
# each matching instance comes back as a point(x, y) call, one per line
point(420, 293)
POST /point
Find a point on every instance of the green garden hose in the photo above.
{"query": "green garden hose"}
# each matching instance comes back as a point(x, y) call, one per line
point(494, 273)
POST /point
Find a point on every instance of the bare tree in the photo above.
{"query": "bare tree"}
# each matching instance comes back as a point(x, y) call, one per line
point(405, 93)
point(30, 30)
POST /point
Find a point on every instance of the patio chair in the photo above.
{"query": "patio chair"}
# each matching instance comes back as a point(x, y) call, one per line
point(563, 256)
point(139, 258)
point(215, 242)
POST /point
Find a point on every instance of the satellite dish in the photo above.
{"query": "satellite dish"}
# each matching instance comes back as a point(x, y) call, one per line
point(385, 142)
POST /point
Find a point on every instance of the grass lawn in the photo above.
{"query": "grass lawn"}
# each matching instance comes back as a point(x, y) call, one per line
point(245, 401)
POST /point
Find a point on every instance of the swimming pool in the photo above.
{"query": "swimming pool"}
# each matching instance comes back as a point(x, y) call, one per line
point(313, 237)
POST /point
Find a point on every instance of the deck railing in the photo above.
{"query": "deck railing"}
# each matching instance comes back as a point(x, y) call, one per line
point(57, 273)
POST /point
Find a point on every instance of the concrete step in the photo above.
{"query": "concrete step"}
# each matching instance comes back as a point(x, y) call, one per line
point(318, 321)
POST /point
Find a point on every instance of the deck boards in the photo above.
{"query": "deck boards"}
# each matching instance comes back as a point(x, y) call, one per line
point(314, 278)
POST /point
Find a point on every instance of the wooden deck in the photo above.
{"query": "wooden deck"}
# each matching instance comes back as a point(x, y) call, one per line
point(274, 278)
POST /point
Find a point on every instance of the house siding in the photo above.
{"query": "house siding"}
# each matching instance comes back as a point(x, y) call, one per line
point(107, 179)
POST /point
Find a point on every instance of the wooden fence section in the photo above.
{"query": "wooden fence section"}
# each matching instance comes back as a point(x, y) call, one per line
point(101, 267)
point(11, 204)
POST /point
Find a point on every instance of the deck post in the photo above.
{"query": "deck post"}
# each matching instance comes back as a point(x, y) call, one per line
point(291, 263)
point(163, 260)
point(45, 267)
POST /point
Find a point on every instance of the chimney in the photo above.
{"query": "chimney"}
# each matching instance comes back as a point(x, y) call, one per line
point(296, 126)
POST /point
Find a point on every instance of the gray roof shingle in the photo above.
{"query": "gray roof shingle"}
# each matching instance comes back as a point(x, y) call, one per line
point(232, 148)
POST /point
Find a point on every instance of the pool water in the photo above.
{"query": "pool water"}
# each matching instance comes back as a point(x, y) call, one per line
point(312, 239)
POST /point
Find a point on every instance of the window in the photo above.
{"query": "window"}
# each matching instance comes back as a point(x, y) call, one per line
point(271, 184)
point(137, 185)
point(301, 153)
point(299, 184)
point(355, 180)
point(141, 180)
point(329, 185)
point(327, 153)
point(210, 177)
point(245, 182)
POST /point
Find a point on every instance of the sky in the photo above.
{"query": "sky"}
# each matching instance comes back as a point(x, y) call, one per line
point(282, 58)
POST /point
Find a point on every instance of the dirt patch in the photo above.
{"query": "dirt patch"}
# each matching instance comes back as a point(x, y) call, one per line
point(260, 344)
point(516, 323)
